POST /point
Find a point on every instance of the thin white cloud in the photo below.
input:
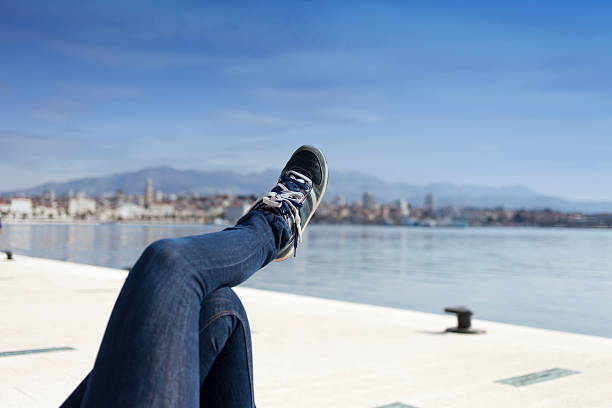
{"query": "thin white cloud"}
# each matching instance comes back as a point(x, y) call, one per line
point(49, 115)
point(291, 95)
point(57, 111)
point(325, 96)
point(353, 116)
point(243, 118)
point(132, 59)
point(101, 90)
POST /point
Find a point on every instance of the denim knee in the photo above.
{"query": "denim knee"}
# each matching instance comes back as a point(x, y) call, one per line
point(163, 252)
point(222, 301)
point(160, 270)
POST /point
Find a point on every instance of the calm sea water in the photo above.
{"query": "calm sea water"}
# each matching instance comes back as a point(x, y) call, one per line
point(551, 278)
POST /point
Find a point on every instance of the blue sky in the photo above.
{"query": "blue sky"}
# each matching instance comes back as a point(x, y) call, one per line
point(486, 93)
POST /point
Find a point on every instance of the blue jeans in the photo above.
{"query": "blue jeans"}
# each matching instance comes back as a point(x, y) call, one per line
point(178, 336)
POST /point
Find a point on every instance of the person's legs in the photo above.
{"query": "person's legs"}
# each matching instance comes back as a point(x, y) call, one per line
point(149, 353)
point(226, 368)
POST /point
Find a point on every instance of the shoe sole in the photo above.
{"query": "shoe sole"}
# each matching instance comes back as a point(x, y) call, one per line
point(321, 157)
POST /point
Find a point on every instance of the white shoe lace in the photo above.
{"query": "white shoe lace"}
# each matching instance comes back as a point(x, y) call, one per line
point(292, 199)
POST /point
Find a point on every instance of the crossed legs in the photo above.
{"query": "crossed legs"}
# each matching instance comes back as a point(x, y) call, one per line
point(178, 336)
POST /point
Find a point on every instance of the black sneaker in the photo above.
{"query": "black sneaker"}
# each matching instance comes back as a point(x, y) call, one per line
point(298, 193)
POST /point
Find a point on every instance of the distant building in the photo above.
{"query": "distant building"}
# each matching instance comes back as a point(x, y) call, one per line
point(148, 195)
point(429, 203)
point(129, 211)
point(404, 208)
point(368, 201)
point(161, 210)
point(120, 196)
point(339, 200)
point(158, 196)
point(21, 207)
point(81, 205)
point(46, 212)
point(5, 207)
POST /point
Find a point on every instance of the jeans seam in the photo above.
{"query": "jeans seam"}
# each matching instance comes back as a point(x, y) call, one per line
point(246, 342)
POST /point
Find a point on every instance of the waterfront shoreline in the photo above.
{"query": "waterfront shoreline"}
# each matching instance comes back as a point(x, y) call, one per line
point(224, 225)
point(521, 276)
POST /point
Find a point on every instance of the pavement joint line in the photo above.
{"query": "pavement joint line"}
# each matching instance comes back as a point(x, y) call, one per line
point(34, 351)
point(397, 405)
point(537, 377)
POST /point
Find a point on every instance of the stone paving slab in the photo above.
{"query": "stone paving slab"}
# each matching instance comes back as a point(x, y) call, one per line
point(308, 352)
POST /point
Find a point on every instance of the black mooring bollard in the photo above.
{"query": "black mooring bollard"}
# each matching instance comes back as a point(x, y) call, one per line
point(464, 320)
point(9, 255)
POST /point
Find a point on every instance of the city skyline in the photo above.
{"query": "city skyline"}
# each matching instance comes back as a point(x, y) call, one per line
point(471, 93)
point(151, 206)
point(348, 185)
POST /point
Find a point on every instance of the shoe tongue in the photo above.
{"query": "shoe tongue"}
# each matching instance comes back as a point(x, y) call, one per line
point(291, 186)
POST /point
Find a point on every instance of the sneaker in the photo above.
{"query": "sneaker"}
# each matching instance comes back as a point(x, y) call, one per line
point(297, 194)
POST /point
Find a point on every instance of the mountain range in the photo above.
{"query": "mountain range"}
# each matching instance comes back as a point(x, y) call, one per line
point(350, 185)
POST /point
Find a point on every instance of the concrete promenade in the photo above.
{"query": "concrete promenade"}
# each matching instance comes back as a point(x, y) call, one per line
point(308, 352)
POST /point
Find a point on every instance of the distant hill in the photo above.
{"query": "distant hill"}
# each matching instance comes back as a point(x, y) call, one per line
point(350, 185)
point(166, 179)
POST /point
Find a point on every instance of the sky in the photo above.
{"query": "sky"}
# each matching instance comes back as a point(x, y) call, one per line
point(474, 92)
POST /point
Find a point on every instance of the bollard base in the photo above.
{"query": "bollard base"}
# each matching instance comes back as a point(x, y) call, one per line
point(469, 330)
